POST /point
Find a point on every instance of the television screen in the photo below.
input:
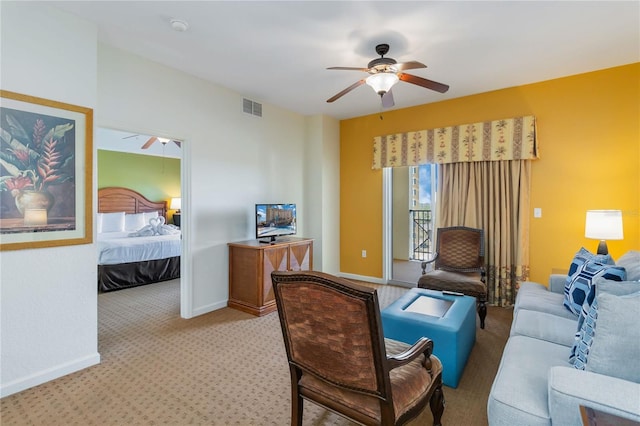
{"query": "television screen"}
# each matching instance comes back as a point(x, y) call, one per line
point(275, 220)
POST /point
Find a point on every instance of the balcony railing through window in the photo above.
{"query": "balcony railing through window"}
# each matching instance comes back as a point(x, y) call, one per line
point(421, 234)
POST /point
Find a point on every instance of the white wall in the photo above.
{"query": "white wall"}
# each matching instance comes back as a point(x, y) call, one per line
point(231, 161)
point(322, 194)
point(48, 296)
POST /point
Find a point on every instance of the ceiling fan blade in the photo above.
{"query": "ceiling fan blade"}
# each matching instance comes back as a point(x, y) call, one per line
point(387, 100)
point(347, 90)
point(411, 65)
point(151, 140)
point(429, 84)
point(349, 69)
point(178, 143)
point(130, 136)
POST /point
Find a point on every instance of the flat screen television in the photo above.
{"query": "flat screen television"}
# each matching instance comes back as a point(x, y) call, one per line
point(275, 220)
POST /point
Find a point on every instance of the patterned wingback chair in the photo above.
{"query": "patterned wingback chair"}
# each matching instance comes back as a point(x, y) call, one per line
point(339, 359)
point(458, 265)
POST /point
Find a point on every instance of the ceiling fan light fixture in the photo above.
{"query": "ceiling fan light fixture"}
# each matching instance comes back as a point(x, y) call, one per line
point(382, 82)
point(164, 140)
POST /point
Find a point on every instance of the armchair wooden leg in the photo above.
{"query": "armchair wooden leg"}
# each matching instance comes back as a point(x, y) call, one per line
point(437, 405)
point(296, 411)
point(482, 312)
point(297, 403)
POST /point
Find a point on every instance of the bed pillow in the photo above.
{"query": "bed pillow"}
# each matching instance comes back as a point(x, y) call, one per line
point(113, 222)
point(149, 215)
point(134, 221)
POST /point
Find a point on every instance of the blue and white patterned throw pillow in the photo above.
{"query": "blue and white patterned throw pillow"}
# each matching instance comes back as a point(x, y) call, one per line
point(583, 255)
point(584, 338)
point(580, 290)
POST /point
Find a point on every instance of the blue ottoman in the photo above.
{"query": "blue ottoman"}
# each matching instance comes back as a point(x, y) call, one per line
point(449, 321)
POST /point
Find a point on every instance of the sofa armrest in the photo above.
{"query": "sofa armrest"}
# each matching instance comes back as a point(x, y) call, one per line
point(569, 388)
point(556, 283)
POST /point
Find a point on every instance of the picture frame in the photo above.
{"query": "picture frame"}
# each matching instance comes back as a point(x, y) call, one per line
point(46, 173)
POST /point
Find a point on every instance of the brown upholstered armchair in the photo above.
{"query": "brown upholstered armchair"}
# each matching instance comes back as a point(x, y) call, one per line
point(459, 265)
point(339, 359)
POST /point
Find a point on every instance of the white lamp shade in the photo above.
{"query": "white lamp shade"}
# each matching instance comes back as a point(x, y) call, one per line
point(382, 82)
point(176, 204)
point(604, 225)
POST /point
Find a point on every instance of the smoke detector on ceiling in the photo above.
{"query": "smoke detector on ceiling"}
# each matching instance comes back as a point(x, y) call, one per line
point(179, 25)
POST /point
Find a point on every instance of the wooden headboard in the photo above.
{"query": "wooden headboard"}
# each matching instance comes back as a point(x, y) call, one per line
point(117, 199)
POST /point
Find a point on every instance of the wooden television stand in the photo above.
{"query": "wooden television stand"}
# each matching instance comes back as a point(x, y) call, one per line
point(250, 266)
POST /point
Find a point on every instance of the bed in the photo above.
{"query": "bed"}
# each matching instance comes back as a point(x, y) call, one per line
point(123, 260)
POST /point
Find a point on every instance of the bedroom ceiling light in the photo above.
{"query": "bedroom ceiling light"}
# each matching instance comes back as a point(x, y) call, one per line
point(603, 225)
point(179, 25)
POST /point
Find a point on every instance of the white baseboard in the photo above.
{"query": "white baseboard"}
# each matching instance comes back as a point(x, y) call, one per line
point(209, 308)
point(48, 375)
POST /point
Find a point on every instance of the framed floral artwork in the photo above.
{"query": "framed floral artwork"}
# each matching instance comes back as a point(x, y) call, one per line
point(46, 171)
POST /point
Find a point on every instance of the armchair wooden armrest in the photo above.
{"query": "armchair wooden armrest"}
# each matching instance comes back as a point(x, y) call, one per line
point(422, 346)
point(424, 263)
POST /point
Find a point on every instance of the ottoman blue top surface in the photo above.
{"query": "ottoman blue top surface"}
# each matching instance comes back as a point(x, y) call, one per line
point(451, 319)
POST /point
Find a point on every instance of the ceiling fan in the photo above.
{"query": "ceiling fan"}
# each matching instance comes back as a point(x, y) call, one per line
point(153, 139)
point(385, 72)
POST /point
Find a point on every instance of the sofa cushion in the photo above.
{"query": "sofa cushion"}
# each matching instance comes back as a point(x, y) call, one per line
point(519, 394)
point(631, 262)
point(535, 297)
point(580, 290)
point(544, 326)
point(615, 349)
point(586, 331)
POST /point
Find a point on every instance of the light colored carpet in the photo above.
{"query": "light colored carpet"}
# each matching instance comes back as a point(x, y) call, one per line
point(223, 368)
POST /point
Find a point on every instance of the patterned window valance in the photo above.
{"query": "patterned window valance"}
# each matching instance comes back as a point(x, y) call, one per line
point(508, 139)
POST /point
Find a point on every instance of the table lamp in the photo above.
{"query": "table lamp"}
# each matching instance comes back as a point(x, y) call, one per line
point(603, 225)
point(176, 204)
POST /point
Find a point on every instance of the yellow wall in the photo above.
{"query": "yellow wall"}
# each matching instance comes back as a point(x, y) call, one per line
point(589, 137)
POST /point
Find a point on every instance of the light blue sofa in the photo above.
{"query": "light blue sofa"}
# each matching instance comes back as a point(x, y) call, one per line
point(535, 383)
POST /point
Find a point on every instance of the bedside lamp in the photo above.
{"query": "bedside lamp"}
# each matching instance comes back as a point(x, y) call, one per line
point(603, 225)
point(176, 204)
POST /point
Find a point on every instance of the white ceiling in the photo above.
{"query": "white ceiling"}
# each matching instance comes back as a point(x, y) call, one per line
point(277, 52)
point(115, 140)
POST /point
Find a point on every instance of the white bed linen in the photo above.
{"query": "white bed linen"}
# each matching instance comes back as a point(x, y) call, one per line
point(118, 247)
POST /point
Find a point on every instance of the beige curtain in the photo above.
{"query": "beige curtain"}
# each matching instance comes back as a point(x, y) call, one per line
point(493, 196)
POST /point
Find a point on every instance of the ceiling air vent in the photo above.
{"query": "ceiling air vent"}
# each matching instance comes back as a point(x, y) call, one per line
point(251, 107)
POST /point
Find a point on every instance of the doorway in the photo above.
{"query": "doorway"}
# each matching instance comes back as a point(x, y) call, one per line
point(410, 201)
point(152, 166)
